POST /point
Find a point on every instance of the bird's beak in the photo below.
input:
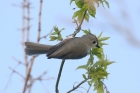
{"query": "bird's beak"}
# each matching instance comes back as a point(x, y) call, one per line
point(97, 46)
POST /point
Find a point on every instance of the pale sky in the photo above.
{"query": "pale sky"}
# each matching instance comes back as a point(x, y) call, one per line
point(124, 74)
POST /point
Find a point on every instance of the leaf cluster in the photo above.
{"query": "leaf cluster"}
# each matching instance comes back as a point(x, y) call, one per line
point(88, 7)
point(56, 35)
point(96, 71)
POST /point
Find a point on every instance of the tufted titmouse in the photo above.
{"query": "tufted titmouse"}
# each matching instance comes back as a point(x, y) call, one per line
point(71, 48)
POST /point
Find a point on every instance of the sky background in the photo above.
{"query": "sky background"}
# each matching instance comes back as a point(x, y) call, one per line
point(120, 22)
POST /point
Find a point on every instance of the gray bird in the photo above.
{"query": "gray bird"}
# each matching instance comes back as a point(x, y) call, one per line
point(71, 48)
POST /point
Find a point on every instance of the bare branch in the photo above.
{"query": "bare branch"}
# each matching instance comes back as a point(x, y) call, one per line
point(28, 20)
point(105, 87)
point(89, 89)
point(74, 88)
point(39, 21)
point(9, 80)
point(59, 75)
point(43, 85)
point(28, 74)
point(40, 77)
point(19, 62)
point(45, 35)
point(83, 88)
point(14, 71)
point(33, 58)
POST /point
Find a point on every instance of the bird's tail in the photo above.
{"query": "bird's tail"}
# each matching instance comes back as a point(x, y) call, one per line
point(35, 48)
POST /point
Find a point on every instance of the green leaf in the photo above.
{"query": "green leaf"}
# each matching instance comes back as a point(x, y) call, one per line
point(100, 88)
point(109, 62)
point(62, 29)
point(54, 33)
point(98, 52)
point(104, 38)
point(96, 83)
point(60, 37)
point(101, 73)
point(86, 31)
point(82, 67)
point(106, 3)
point(71, 1)
point(56, 29)
point(92, 11)
point(76, 14)
point(52, 38)
point(100, 35)
point(103, 43)
point(89, 83)
point(79, 3)
point(88, 63)
point(84, 76)
point(80, 16)
point(98, 63)
point(87, 17)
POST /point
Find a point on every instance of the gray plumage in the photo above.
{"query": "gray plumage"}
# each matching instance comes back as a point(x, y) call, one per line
point(71, 48)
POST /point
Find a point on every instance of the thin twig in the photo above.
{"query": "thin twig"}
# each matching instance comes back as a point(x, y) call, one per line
point(19, 62)
point(74, 88)
point(8, 81)
point(33, 58)
point(45, 35)
point(40, 77)
point(44, 86)
point(83, 88)
point(105, 87)
point(14, 71)
point(79, 91)
point(39, 21)
point(23, 32)
point(31, 82)
point(28, 74)
point(59, 75)
point(28, 20)
point(89, 88)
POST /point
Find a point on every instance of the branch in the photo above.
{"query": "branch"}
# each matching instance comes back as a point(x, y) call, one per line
point(33, 58)
point(40, 77)
point(105, 87)
point(45, 35)
point(39, 21)
point(74, 88)
point(14, 71)
point(19, 62)
point(28, 74)
point(89, 89)
point(23, 32)
point(59, 75)
point(28, 19)
point(79, 27)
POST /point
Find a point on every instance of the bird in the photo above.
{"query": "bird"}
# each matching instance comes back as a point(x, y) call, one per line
point(70, 48)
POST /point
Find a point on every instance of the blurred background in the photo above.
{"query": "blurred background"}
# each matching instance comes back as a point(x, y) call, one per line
point(120, 22)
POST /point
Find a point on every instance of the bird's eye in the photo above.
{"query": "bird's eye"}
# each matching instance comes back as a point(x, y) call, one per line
point(94, 42)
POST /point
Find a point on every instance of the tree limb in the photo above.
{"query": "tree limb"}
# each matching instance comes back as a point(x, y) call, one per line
point(74, 88)
point(59, 75)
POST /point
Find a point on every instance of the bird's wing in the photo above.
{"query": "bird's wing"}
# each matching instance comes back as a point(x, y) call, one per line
point(59, 50)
